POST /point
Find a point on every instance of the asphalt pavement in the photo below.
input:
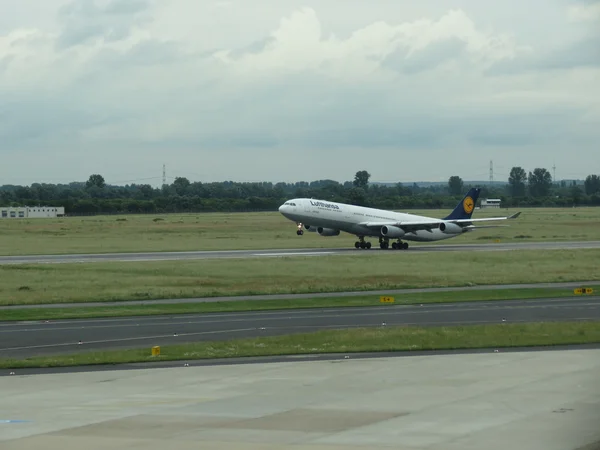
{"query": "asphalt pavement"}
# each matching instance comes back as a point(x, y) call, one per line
point(26, 339)
point(243, 254)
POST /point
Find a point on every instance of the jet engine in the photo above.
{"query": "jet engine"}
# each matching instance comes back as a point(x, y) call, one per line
point(392, 232)
point(450, 228)
point(311, 228)
point(328, 231)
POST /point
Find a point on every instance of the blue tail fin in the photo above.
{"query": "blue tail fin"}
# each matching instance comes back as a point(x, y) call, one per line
point(464, 210)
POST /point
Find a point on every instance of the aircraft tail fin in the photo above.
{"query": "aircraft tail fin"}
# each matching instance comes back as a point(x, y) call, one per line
point(464, 210)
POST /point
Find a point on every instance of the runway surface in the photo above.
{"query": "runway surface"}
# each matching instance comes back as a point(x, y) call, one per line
point(196, 255)
point(27, 339)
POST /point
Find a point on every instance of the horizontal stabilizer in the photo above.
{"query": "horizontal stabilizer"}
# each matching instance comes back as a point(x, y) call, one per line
point(486, 219)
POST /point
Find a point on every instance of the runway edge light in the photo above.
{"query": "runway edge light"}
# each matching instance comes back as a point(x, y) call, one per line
point(582, 291)
point(385, 299)
point(156, 350)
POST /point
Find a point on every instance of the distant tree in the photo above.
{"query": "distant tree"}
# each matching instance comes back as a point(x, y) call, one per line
point(592, 184)
point(455, 185)
point(146, 191)
point(95, 181)
point(401, 190)
point(181, 185)
point(361, 179)
point(576, 194)
point(24, 192)
point(357, 196)
point(96, 197)
point(540, 182)
point(516, 181)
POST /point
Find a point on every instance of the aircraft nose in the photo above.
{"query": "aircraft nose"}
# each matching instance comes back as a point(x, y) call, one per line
point(282, 208)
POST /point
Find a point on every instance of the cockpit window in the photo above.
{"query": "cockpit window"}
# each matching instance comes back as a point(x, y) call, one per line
point(290, 203)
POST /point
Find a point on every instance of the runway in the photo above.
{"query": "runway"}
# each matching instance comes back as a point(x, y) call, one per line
point(224, 254)
point(20, 340)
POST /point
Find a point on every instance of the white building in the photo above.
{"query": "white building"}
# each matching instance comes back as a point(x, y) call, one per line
point(490, 203)
point(28, 212)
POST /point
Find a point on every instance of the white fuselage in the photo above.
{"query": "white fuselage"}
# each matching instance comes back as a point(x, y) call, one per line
point(340, 216)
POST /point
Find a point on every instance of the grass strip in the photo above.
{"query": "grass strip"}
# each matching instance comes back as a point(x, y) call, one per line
point(231, 231)
point(97, 282)
point(21, 314)
point(385, 339)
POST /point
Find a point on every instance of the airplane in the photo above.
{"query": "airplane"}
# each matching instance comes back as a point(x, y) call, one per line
point(330, 218)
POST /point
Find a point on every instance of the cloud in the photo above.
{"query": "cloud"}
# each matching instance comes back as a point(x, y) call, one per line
point(34, 119)
point(583, 53)
point(585, 11)
point(431, 57)
point(144, 82)
point(86, 20)
point(298, 44)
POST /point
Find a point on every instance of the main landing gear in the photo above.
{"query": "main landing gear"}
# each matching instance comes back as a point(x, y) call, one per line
point(384, 244)
point(399, 245)
point(362, 244)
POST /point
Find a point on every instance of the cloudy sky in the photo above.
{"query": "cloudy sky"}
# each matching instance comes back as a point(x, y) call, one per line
point(287, 90)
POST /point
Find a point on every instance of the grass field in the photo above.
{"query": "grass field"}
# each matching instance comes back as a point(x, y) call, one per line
point(220, 231)
point(61, 283)
point(82, 312)
point(343, 341)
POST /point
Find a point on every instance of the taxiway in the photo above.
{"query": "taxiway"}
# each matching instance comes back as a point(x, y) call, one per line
point(25, 339)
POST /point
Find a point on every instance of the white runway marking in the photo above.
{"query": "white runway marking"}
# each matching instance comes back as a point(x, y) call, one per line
point(295, 254)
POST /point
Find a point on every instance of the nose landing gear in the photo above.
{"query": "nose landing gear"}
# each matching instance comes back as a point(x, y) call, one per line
point(299, 231)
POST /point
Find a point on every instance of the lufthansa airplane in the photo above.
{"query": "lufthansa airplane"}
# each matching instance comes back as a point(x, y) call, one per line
point(330, 218)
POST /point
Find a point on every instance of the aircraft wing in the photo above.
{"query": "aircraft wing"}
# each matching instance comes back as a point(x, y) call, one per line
point(473, 227)
point(434, 223)
point(408, 227)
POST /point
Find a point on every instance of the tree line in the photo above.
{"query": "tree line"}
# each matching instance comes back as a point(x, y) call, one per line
point(95, 196)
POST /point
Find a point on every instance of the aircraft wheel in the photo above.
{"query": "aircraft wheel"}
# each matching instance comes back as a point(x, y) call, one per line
point(357, 244)
point(368, 244)
point(394, 245)
point(405, 245)
point(300, 232)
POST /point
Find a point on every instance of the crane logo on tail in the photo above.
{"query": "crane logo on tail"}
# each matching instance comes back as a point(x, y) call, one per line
point(468, 205)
